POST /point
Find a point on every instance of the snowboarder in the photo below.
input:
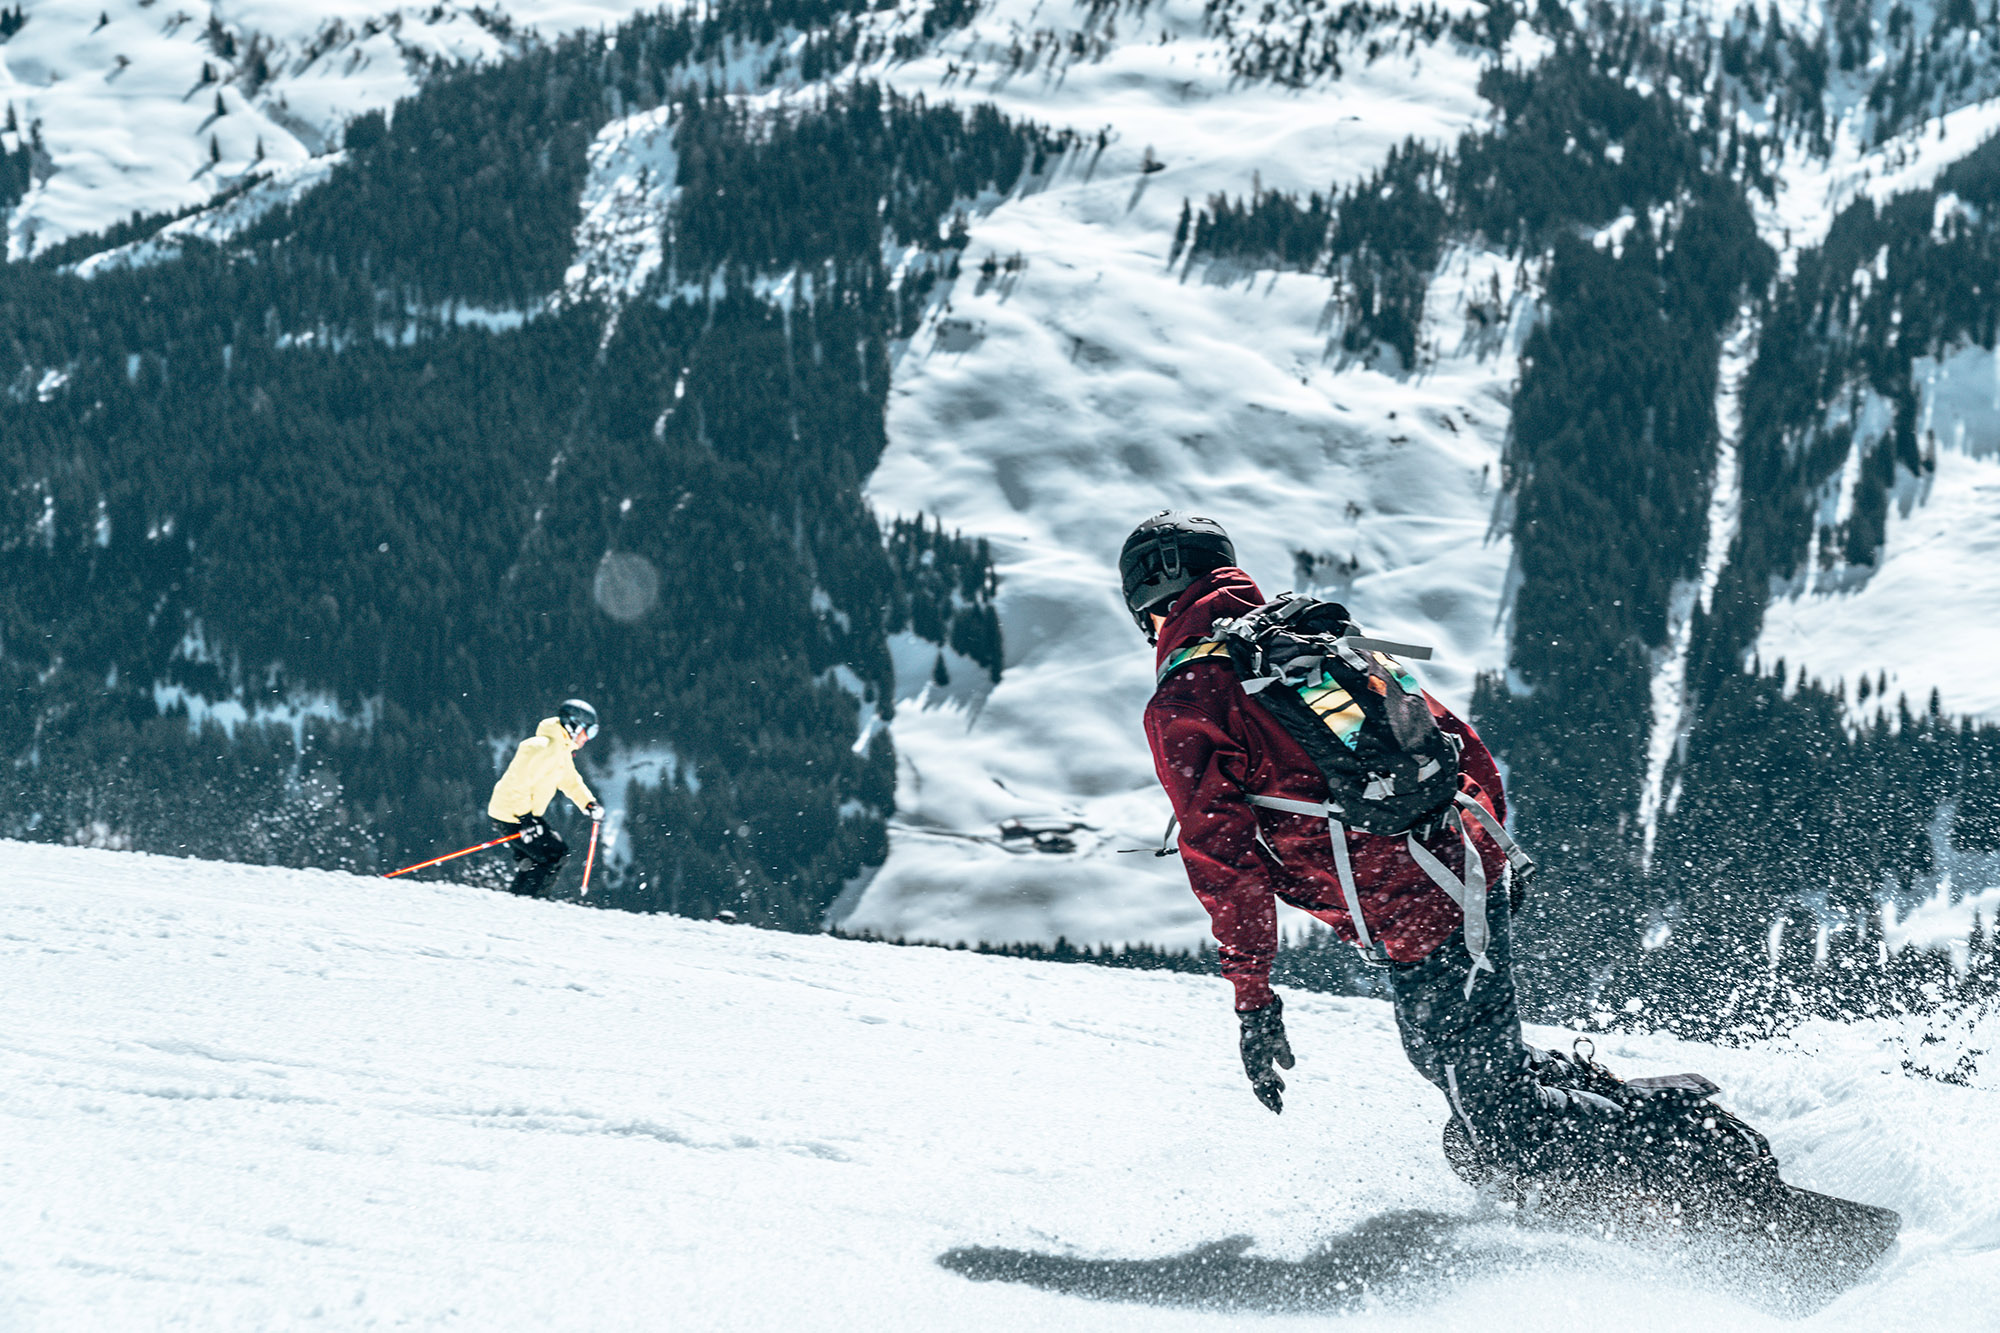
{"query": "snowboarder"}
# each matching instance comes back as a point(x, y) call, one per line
point(542, 765)
point(1304, 762)
point(1256, 826)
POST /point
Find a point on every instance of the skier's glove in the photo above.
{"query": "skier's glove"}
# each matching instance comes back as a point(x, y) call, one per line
point(1263, 1045)
point(595, 811)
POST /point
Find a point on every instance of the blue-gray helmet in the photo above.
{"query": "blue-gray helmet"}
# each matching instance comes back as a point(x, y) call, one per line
point(1164, 556)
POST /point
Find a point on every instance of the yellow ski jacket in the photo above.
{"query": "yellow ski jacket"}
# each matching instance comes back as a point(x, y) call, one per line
point(542, 766)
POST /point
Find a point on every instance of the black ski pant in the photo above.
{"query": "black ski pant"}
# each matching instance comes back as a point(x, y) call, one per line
point(1469, 1046)
point(537, 856)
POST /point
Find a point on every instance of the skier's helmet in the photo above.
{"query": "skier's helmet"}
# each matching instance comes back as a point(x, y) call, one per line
point(578, 718)
point(1164, 556)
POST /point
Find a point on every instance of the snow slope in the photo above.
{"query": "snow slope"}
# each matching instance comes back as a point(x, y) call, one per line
point(1927, 615)
point(236, 1097)
point(128, 118)
point(1050, 407)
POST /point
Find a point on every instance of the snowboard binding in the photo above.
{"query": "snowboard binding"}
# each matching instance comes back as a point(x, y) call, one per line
point(1649, 1152)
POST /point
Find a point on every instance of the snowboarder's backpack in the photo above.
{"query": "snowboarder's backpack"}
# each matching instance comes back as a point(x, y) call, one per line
point(1357, 712)
point(1364, 722)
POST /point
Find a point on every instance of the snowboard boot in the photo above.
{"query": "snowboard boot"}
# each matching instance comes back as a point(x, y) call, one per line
point(1652, 1152)
point(1492, 1182)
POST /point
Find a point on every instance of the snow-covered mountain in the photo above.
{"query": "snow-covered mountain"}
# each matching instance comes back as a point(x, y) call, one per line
point(235, 1097)
point(1052, 406)
point(1097, 378)
point(151, 108)
point(1930, 589)
point(1079, 367)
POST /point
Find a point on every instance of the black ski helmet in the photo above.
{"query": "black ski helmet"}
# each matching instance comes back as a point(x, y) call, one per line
point(577, 718)
point(1164, 556)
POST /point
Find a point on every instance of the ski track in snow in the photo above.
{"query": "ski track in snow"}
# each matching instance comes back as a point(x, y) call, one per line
point(1725, 511)
point(1050, 408)
point(239, 1097)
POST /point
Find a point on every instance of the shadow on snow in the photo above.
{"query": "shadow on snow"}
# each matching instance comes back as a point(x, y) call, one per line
point(1399, 1251)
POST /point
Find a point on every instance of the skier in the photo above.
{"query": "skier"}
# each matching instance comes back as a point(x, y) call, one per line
point(542, 765)
point(1255, 826)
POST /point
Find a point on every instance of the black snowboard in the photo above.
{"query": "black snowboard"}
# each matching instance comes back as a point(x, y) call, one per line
point(1786, 1250)
point(1819, 1247)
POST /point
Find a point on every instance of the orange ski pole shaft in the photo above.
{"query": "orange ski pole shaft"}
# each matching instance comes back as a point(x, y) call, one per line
point(452, 856)
point(590, 857)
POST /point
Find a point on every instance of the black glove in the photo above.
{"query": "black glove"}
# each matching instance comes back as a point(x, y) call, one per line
point(1264, 1043)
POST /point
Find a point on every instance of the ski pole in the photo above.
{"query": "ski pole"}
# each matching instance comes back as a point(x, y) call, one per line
point(590, 858)
point(453, 856)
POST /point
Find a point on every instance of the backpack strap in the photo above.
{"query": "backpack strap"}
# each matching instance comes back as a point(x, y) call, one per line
point(1194, 652)
point(1416, 652)
point(1216, 647)
point(1350, 895)
point(1469, 893)
point(1522, 864)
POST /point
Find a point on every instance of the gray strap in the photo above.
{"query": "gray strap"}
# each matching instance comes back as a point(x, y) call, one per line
point(1415, 652)
point(1342, 863)
point(1348, 892)
point(1458, 1105)
point(1469, 894)
point(1317, 809)
point(1523, 864)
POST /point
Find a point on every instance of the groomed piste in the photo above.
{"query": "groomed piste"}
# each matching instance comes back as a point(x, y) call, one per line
point(237, 1097)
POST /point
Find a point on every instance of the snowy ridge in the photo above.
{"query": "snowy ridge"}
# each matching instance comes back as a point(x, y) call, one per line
point(237, 1097)
point(129, 108)
point(1090, 380)
point(219, 224)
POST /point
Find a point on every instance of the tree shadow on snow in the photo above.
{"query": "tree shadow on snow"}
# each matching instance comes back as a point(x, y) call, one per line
point(1394, 1252)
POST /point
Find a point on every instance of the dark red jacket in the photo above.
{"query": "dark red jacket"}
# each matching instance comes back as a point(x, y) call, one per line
point(1212, 744)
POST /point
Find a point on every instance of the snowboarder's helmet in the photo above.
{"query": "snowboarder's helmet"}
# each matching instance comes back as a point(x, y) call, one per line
point(1164, 556)
point(578, 718)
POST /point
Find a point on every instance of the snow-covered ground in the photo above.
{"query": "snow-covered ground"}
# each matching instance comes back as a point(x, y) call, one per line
point(237, 1098)
point(1050, 406)
point(129, 108)
point(1927, 614)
